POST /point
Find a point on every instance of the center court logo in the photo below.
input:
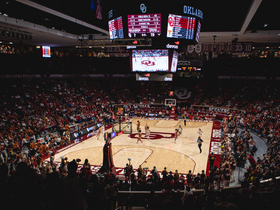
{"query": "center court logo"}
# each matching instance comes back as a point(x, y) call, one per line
point(154, 135)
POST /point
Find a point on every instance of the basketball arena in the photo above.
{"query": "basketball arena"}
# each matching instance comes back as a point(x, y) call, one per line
point(139, 104)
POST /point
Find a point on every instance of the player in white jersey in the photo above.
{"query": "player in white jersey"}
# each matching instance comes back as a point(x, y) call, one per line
point(148, 133)
point(180, 130)
point(102, 130)
point(200, 132)
point(98, 133)
point(146, 128)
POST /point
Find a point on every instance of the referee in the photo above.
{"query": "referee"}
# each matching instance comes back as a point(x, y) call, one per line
point(199, 142)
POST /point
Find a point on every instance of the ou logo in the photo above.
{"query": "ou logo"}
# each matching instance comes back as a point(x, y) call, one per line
point(182, 93)
point(154, 135)
point(170, 21)
point(148, 63)
point(143, 8)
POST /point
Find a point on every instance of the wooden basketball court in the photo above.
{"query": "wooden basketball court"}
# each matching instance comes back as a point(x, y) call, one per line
point(159, 151)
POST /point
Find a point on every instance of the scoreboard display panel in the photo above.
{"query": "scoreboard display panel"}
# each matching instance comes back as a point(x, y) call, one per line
point(180, 27)
point(144, 24)
point(116, 28)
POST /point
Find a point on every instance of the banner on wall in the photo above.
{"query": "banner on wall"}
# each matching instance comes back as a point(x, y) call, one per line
point(229, 48)
point(197, 48)
point(205, 48)
point(221, 48)
point(190, 49)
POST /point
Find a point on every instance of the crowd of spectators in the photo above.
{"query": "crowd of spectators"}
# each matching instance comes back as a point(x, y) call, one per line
point(36, 117)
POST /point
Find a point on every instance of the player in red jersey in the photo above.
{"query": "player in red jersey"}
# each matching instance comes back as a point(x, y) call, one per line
point(176, 135)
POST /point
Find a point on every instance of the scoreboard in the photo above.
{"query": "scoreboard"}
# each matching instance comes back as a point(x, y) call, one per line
point(116, 28)
point(119, 111)
point(153, 19)
point(180, 27)
point(144, 24)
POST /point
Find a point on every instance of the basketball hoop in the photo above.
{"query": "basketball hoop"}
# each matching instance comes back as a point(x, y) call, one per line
point(170, 102)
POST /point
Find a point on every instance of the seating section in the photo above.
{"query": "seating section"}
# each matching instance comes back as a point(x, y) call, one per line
point(37, 116)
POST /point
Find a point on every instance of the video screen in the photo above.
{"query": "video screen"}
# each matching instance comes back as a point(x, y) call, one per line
point(116, 28)
point(144, 24)
point(180, 27)
point(46, 51)
point(174, 62)
point(149, 60)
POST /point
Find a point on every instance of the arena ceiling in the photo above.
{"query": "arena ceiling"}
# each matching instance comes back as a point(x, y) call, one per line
point(64, 23)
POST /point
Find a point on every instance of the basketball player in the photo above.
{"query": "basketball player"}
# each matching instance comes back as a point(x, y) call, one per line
point(180, 130)
point(138, 125)
point(139, 137)
point(200, 132)
point(146, 127)
point(98, 132)
point(103, 129)
point(176, 135)
point(148, 133)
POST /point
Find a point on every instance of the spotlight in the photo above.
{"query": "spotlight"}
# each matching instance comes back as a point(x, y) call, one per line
point(265, 25)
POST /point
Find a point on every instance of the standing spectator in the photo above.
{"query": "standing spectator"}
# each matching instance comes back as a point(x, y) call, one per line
point(212, 159)
point(112, 191)
point(227, 175)
point(140, 171)
point(217, 179)
point(252, 160)
point(189, 178)
point(72, 196)
point(164, 173)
